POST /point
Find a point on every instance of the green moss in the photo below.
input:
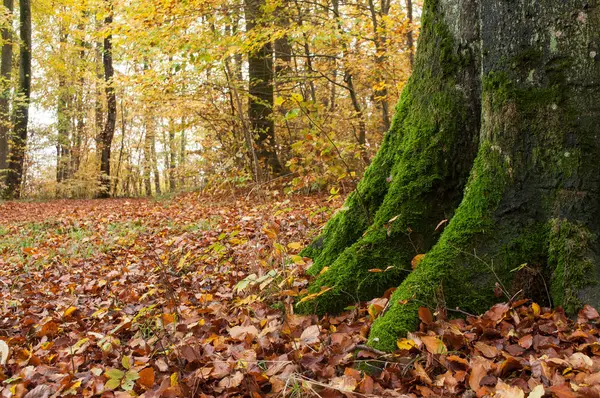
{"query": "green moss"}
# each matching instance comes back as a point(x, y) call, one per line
point(502, 221)
point(569, 257)
point(347, 226)
point(450, 264)
point(416, 184)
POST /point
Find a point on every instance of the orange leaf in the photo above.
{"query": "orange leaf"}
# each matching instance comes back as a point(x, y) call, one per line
point(146, 379)
point(417, 260)
point(49, 329)
point(168, 318)
point(425, 315)
point(434, 345)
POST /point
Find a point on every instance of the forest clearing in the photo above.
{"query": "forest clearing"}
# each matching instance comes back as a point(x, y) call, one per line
point(193, 297)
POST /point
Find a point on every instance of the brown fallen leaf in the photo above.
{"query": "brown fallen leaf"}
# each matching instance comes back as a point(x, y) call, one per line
point(434, 345)
point(146, 379)
point(480, 366)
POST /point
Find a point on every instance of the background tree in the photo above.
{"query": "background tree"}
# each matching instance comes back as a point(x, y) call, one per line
point(108, 130)
point(18, 145)
point(5, 87)
point(200, 54)
point(261, 97)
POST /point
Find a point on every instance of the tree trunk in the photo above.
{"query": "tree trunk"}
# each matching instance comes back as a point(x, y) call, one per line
point(171, 155)
point(361, 139)
point(529, 213)
point(260, 108)
point(111, 109)
point(153, 156)
point(182, 156)
point(5, 85)
point(380, 39)
point(409, 33)
point(63, 145)
point(121, 150)
point(16, 159)
point(80, 106)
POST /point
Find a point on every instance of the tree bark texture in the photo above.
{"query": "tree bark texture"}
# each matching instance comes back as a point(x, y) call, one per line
point(5, 85)
point(261, 98)
point(497, 132)
point(108, 130)
point(18, 146)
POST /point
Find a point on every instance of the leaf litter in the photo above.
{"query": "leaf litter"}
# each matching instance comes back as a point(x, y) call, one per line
point(193, 297)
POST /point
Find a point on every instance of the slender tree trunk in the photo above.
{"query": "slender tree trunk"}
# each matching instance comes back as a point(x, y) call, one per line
point(147, 166)
point(362, 127)
point(171, 156)
point(381, 92)
point(153, 156)
point(80, 106)
point(182, 154)
point(409, 33)
point(260, 74)
point(111, 108)
point(21, 107)
point(5, 90)
point(121, 150)
point(63, 145)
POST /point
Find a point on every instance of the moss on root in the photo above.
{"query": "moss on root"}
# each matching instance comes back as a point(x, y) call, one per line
point(573, 268)
point(507, 216)
point(473, 220)
point(419, 173)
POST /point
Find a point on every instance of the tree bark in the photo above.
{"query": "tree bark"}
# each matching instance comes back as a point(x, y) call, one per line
point(381, 93)
point(18, 147)
point(361, 139)
point(409, 33)
point(63, 145)
point(5, 86)
point(108, 131)
point(260, 107)
point(171, 155)
point(154, 160)
point(529, 213)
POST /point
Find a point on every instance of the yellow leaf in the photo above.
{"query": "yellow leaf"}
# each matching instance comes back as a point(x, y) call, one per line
point(536, 309)
point(417, 260)
point(69, 311)
point(174, 379)
point(406, 344)
point(295, 245)
point(125, 362)
point(314, 295)
point(298, 260)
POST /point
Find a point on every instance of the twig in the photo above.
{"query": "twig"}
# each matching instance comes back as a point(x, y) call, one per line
point(460, 311)
point(371, 349)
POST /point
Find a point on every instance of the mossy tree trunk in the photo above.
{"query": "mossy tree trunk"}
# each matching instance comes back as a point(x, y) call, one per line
point(509, 91)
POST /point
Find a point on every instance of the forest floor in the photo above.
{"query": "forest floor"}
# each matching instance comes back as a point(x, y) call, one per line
point(192, 296)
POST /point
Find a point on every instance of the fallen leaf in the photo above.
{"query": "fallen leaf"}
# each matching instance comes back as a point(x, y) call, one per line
point(146, 379)
point(239, 332)
point(310, 335)
point(434, 345)
point(4, 350)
